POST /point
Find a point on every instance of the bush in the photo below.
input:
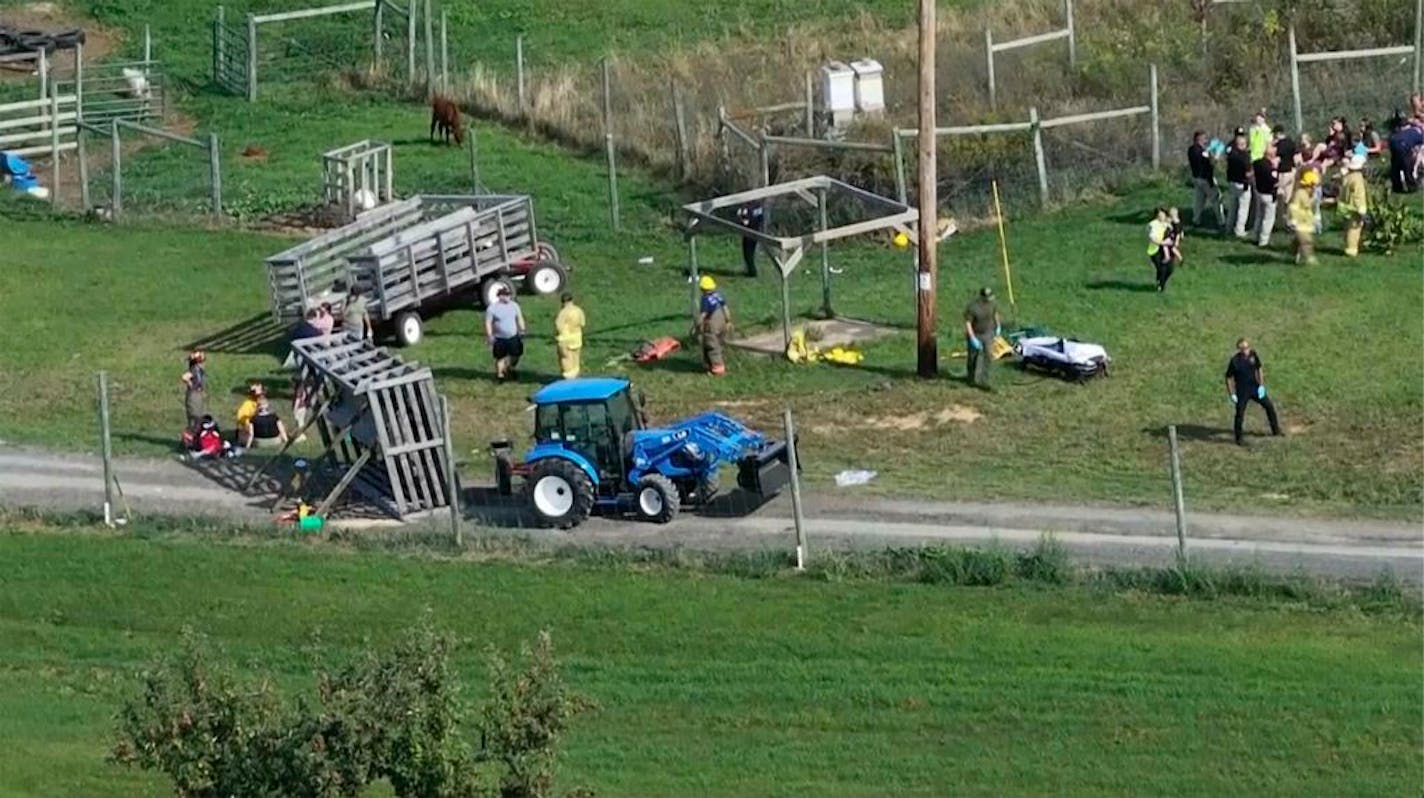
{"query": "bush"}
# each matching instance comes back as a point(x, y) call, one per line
point(395, 716)
point(1394, 223)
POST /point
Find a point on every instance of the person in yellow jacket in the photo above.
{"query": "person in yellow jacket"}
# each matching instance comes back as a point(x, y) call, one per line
point(1353, 204)
point(1157, 250)
point(568, 335)
point(1301, 215)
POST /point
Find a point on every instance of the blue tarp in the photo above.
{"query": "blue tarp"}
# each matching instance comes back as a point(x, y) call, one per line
point(19, 171)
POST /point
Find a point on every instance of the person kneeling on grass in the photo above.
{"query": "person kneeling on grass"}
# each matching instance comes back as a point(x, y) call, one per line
point(206, 441)
point(265, 430)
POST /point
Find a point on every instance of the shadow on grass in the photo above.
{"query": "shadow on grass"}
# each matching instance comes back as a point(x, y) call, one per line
point(1121, 285)
point(1253, 259)
point(1194, 432)
point(521, 376)
point(259, 335)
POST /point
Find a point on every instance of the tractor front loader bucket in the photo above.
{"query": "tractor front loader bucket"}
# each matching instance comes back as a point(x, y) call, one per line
point(766, 471)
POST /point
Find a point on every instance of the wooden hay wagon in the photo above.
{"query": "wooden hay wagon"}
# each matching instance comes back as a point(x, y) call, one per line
point(417, 255)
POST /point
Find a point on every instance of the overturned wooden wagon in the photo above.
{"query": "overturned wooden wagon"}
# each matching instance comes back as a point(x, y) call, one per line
point(417, 255)
point(380, 424)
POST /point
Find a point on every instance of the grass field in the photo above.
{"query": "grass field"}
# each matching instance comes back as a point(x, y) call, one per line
point(714, 685)
point(132, 298)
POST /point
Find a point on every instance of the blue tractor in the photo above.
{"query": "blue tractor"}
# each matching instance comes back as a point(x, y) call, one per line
point(594, 452)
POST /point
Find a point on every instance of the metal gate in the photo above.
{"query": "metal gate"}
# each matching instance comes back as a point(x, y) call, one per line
point(230, 59)
point(135, 91)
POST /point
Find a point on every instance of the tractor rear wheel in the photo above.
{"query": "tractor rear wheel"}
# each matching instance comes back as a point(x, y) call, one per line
point(560, 493)
point(657, 499)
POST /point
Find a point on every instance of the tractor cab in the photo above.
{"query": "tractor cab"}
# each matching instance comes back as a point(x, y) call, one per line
point(593, 450)
point(595, 420)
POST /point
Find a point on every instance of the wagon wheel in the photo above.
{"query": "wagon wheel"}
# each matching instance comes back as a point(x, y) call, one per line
point(545, 277)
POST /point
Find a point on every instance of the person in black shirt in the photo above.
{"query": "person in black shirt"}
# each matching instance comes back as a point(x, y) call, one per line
point(1264, 172)
point(1285, 165)
point(1246, 384)
point(1204, 191)
point(753, 217)
point(1238, 179)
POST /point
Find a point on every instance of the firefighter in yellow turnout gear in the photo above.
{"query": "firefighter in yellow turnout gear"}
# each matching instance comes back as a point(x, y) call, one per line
point(1301, 214)
point(1353, 204)
point(568, 336)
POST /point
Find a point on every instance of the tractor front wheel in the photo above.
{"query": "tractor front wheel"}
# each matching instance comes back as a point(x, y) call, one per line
point(657, 499)
point(560, 493)
point(699, 493)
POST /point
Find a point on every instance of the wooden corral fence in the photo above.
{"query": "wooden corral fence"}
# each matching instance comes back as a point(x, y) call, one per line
point(347, 171)
point(991, 48)
point(380, 423)
point(39, 127)
point(112, 133)
point(237, 49)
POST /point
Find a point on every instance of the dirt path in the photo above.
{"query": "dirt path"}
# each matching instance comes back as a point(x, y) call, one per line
point(1096, 535)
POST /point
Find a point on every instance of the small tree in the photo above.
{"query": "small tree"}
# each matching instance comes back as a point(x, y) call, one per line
point(394, 715)
point(195, 724)
point(524, 720)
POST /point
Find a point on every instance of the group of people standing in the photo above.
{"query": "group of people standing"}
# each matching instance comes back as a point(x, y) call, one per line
point(1267, 171)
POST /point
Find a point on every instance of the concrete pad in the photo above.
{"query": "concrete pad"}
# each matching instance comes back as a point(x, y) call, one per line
point(824, 333)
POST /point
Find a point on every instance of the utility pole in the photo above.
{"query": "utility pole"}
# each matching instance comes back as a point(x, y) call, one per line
point(927, 346)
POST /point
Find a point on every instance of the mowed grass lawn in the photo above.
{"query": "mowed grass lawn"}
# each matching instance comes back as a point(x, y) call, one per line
point(719, 686)
point(1340, 341)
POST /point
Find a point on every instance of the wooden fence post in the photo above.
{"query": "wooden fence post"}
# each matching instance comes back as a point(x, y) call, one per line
point(796, 513)
point(116, 154)
point(1295, 82)
point(1072, 35)
point(219, 46)
point(54, 143)
point(1419, 46)
point(989, 54)
point(474, 164)
point(764, 159)
point(810, 105)
point(43, 69)
point(410, 44)
point(444, 50)
point(429, 53)
point(378, 25)
point(79, 146)
point(452, 480)
point(692, 272)
point(684, 155)
point(1178, 502)
point(1038, 158)
point(519, 71)
point(147, 48)
point(78, 81)
point(826, 309)
point(215, 174)
point(106, 448)
point(1156, 121)
point(609, 146)
point(901, 190)
point(251, 58)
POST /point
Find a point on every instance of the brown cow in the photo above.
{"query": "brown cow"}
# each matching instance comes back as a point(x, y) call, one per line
point(445, 116)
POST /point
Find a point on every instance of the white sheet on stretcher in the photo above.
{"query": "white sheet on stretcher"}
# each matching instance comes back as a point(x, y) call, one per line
point(1062, 350)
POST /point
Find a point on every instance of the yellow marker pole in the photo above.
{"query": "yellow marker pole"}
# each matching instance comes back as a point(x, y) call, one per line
point(1003, 243)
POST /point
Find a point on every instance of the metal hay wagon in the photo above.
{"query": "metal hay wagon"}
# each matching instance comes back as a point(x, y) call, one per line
point(416, 255)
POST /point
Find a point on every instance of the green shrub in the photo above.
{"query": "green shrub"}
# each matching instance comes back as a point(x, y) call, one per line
point(395, 716)
point(1394, 223)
